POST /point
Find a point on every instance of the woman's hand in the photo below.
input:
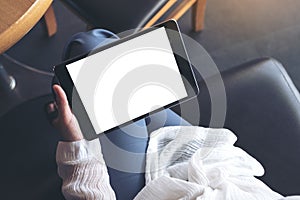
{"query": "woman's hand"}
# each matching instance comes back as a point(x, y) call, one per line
point(65, 120)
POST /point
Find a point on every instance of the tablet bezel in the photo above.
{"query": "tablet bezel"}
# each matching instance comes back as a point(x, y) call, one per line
point(181, 58)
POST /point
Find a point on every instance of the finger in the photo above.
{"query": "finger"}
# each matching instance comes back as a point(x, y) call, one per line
point(51, 111)
point(61, 98)
point(62, 101)
point(50, 107)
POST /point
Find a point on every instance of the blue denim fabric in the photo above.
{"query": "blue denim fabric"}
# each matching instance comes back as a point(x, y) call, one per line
point(126, 171)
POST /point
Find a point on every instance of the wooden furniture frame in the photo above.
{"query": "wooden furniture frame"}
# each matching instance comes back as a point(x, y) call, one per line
point(50, 21)
point(198, 12)
point(17, 18)
point(169, 9)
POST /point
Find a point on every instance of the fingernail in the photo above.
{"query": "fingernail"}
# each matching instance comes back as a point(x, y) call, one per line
point(50, 108)
point(51, 111)
point(54, 92)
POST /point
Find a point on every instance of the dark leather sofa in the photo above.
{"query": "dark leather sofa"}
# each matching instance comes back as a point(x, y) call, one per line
point(263, 109)
point(116, 16)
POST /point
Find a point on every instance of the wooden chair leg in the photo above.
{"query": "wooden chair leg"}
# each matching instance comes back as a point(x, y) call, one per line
point(181, 9)
point(160, 13)
point(50, 20)
point(198, 15)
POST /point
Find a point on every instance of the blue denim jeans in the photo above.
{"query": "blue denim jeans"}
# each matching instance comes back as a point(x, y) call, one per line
point(124, 148)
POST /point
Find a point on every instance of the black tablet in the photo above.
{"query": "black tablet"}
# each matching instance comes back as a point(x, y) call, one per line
point(128, 79)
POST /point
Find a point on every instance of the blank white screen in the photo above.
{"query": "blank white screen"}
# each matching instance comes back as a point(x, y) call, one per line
point(128, 80)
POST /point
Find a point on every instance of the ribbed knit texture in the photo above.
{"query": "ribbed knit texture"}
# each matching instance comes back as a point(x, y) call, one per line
point(83, 170)
point(182, 163)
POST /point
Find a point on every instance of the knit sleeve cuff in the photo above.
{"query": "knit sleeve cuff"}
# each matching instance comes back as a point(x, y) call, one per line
point(72, 152)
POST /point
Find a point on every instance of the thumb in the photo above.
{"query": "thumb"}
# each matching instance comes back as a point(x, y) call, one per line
point(66, 121)
point(62, 101)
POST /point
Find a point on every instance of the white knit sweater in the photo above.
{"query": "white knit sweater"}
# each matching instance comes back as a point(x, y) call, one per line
point(83, 170)
point(182, 163)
